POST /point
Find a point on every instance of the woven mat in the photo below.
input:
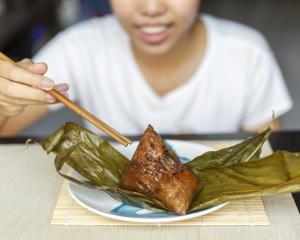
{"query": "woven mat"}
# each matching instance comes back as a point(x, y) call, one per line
point(242, 212)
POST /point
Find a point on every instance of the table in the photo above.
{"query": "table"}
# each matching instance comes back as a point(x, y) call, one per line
point(29, 187)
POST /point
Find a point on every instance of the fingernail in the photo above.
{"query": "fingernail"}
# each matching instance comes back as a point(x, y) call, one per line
point(62, 87)
point(50, 98)
point(66, 94)
point(47, 83)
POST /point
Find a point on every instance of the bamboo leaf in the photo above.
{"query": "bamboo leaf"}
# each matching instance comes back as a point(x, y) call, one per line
point(243, 152)
point(228, 174)
point(97, 164)
point(277, 173)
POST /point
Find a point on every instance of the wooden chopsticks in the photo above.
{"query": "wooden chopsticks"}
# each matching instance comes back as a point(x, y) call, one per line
point(82, 112)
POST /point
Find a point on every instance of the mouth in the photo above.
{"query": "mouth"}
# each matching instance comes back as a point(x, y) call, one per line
point(154, 34)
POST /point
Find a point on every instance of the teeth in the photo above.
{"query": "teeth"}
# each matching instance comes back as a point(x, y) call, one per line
point(153, 29)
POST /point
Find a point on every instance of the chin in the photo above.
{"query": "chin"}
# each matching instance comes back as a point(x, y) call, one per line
point(154, 50)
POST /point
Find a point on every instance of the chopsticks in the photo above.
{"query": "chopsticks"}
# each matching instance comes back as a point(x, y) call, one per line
point(82, 112)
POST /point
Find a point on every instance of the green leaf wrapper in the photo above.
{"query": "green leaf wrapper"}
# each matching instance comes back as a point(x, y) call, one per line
point(225, 175)
point(97, 164)
point(277, 173)
point(243, 152)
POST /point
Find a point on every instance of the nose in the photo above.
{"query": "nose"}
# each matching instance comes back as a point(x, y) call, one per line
point(152, 8)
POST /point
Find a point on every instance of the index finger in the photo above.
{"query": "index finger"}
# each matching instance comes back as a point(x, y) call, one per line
point(38, 68)
point(13, 72)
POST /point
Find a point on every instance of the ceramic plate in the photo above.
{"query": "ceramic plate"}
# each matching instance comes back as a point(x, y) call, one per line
point(103, 204)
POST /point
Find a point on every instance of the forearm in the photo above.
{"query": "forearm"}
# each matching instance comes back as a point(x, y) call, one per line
point(13, 125)
point(3, 120)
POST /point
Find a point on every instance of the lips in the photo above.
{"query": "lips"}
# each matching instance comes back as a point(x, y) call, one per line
point(154, 34)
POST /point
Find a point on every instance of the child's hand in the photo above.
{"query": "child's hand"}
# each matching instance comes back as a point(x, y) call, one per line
point(23, 84)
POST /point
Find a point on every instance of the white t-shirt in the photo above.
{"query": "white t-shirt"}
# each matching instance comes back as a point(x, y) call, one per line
point(238, 83)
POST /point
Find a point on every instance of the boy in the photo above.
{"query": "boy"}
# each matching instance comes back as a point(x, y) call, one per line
point(156, 62)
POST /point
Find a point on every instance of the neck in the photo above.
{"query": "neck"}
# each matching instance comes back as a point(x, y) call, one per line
point(166, 72)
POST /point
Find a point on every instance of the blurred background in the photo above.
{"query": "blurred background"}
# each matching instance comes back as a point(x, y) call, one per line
point(26, 25)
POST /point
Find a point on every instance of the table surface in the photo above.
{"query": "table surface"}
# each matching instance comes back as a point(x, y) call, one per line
point(29, 187)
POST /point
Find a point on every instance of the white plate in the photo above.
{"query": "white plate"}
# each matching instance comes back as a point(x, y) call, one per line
point(103, 204)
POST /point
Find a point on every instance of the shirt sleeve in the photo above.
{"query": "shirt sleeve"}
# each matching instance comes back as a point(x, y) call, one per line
point(57, 54)
point(266, 90)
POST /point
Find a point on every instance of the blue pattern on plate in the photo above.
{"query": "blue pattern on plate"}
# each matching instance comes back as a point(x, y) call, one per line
point(136, 212)
point(182, 159)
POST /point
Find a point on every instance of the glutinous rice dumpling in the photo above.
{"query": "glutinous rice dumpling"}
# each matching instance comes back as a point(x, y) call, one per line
point(156, 171)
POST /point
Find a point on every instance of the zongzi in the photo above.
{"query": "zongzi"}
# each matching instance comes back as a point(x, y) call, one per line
point(156, 171)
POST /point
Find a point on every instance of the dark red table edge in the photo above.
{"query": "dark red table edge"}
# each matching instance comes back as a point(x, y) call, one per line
point(283, 140)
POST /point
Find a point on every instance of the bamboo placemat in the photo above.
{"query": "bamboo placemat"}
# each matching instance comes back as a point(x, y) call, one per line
point(244, 212)
point(241, 212)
